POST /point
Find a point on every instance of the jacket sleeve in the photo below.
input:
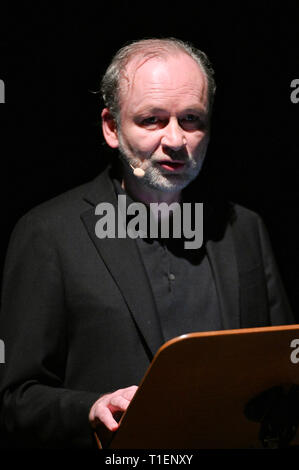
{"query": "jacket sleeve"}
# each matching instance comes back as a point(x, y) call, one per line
point(36, 410)
point(279, 308)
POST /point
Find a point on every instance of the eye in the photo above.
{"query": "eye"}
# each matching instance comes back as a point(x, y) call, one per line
point(191, 118)
point(192, 122)
point(150, 120)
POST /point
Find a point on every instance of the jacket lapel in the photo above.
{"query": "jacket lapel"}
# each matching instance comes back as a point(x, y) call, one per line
point(122, 259)
point(223, 261)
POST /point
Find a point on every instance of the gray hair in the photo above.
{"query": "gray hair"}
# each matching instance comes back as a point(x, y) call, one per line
point(148, 48)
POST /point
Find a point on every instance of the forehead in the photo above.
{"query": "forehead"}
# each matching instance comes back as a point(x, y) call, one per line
point(171, 79)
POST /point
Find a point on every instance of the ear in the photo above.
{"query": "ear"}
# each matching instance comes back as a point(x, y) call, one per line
point(109, 128)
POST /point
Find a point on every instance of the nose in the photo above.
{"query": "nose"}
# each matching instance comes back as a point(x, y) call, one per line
point(173, 135)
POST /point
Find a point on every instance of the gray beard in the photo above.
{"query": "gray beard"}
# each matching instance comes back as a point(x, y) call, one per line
point(154, 179)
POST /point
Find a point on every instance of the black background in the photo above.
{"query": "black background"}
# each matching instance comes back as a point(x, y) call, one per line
point(53, 55)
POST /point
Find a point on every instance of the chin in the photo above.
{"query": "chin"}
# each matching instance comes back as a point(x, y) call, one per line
point(169, 183)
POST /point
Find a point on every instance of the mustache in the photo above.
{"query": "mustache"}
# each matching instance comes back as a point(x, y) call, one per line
point(180, 156)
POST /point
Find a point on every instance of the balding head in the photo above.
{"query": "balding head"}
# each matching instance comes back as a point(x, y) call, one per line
point(120, 73)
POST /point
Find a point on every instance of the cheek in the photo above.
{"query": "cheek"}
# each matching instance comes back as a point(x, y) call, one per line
point(197, 142)
point(143, 142)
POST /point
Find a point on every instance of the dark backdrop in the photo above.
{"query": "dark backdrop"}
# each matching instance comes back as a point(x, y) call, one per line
point(53, 56)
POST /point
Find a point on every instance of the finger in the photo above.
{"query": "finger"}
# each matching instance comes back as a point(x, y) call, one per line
point(118, 403)
point(109, 404)
point(104, 415)
point(129, 392)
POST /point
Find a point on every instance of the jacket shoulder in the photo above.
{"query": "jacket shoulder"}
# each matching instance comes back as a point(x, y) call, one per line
point(61, 204)
point(59, 217)
point(71, 203)
point(241, 214)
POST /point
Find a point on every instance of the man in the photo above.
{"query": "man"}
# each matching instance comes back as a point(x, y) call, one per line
point(82, 316)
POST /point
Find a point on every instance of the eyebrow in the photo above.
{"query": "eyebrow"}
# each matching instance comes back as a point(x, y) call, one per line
point(156, 110)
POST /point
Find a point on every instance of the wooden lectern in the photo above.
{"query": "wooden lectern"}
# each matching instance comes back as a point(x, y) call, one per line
point(199, 387)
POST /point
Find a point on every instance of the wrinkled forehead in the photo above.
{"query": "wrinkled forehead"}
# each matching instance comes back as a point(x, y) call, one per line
point(179, 70)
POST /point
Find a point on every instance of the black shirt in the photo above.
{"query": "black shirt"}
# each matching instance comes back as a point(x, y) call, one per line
point(182, 283)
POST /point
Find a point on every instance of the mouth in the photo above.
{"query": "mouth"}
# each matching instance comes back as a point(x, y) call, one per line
point(172, 166)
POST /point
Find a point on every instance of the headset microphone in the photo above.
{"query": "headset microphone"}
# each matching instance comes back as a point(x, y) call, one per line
point(138, 172)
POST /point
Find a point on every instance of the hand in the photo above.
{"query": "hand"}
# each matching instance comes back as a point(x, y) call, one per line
point(107, 406)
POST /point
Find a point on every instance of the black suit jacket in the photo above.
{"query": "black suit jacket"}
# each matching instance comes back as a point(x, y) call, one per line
point(79, 319)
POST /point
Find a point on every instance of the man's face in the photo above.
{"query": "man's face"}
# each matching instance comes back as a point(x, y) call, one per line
point(164, 120)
